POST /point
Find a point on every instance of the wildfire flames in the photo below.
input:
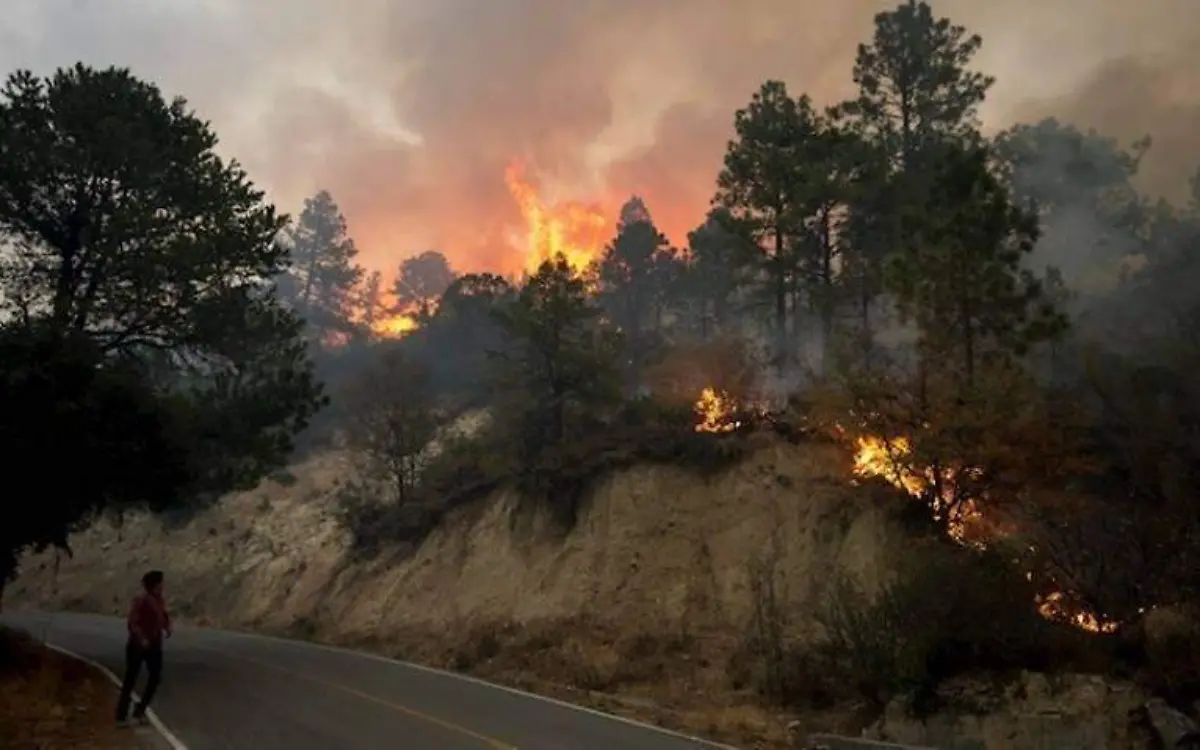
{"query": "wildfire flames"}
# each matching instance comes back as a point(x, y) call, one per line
point(877, 457)
point(886, 458)
point(395, 325)
point(715, 412)
point(890, 459)
point(574, 229)
point(1054, 606)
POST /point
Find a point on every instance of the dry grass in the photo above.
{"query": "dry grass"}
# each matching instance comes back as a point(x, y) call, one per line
point(51, 702)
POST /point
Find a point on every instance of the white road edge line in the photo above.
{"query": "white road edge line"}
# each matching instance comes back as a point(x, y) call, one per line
point(480, 682)
point(156, 722)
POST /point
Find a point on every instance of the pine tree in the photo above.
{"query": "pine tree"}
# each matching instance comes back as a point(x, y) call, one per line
point(964, 281)
point(915, 87)
point(784, 187)
point(140, 349)
point(761, 189)
point(717, 258)
point(559, 362)
point(323, 276)
point(915, 92)
point(371, 305)
point(421, 282)
point(634, 276)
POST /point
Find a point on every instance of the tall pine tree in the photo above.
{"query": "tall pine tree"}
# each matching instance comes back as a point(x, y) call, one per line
point(559, 361)
point(717, 257)
point(321, 282)
point(635, 275)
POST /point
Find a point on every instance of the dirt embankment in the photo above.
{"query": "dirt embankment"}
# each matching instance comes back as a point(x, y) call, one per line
point(646, 607)
point(652, 542)
point(660, 556)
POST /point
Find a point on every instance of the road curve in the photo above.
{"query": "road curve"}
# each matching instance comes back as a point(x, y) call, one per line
point(235, 691)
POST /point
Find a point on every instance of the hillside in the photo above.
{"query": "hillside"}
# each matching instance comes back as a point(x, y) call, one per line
point(648, 606)
point(274, 557)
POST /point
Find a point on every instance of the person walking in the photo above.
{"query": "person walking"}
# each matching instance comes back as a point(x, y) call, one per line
point(148, 623)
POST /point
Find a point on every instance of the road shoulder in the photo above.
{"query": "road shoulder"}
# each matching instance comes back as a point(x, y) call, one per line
point(49, 699)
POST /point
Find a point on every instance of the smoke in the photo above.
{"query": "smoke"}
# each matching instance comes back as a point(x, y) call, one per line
point(409, 110)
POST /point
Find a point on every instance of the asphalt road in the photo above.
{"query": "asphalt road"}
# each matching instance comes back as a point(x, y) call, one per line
point(233, 691)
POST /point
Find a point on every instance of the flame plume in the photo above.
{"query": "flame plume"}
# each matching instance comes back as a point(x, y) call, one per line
point(573, 229)
point(715, 412)
point(395, 326)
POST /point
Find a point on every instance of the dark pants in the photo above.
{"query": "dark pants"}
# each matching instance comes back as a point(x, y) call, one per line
point(134, 657)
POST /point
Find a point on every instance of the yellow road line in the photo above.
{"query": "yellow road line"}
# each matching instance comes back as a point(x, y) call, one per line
point(491, 742)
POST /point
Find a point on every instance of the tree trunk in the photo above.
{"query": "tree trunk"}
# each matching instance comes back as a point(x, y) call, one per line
point(68, 268)
point(827, 295)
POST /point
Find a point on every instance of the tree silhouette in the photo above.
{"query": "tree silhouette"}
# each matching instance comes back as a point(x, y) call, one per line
point(323, 275)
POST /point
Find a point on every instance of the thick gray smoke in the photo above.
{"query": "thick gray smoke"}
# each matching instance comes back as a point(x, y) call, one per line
point(409, 110)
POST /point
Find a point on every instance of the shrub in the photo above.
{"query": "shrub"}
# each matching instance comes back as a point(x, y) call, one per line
point(557, 478)
point(774, 658)
point(946, 611)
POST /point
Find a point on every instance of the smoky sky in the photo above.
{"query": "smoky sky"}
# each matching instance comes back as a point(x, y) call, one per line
point(409, 110)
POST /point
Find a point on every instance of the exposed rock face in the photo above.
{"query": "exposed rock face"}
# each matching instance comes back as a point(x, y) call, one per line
point(1035, 712)
point(1176, 730)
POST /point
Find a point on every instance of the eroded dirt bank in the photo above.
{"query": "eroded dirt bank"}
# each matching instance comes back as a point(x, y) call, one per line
point(645, 608)
point(652, 541)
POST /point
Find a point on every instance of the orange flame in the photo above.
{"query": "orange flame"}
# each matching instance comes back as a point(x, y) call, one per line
point(1054, 606)
point(573, 229)
point(715, 412)
point(398, 323)
point(888, 459)
point(395, 326)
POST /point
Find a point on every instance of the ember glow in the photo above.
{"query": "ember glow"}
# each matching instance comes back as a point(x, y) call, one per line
point(889, 459)
point(403, 321)
point(574, 229)
point(880, 457)
point(715, 412)
point(1054, 606)
point(395, 326)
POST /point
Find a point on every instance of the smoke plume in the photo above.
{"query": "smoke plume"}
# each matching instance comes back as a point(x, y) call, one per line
point(408, 111)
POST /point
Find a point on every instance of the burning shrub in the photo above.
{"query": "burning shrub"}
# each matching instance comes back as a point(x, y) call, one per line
point(644, 431)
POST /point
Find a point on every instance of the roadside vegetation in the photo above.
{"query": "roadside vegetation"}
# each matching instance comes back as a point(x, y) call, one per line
point(49, 701)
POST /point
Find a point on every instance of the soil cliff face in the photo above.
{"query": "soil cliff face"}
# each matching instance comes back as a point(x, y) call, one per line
point(655, 544)
point(643, 608)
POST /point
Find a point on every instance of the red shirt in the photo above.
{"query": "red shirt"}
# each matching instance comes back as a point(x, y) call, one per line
point(148, 619)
